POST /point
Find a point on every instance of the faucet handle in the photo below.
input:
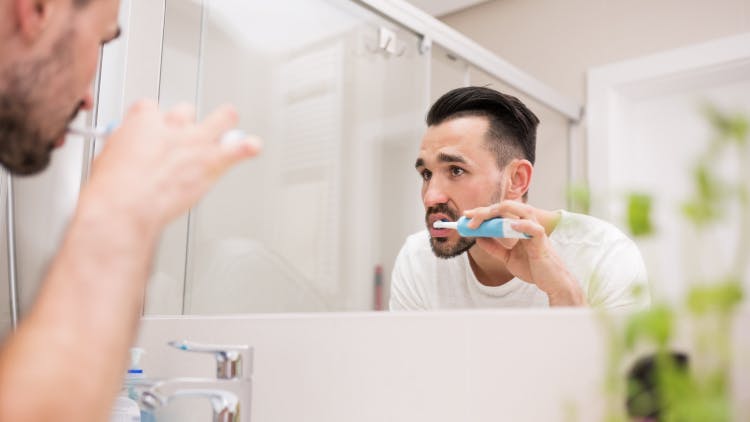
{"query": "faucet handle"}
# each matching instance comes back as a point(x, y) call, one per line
point(228, 357)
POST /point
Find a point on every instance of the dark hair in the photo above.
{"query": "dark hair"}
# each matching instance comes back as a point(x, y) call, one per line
point(81, 3)
point(512, 131)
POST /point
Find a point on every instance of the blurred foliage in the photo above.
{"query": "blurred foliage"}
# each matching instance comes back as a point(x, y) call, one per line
point(579, 198)
point(699, 389)
point(720, 298)
point(639, 214)
point(705, 204)
point(655, 325)
point(728, 127)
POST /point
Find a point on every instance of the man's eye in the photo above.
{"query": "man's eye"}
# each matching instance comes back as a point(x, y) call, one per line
point(426, 175)
point(457, 171)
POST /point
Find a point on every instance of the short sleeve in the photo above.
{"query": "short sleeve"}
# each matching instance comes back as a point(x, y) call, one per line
point(620, 280)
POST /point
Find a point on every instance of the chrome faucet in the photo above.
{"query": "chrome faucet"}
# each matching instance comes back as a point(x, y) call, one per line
point(228, 357)
point(225, 405)
point(154, 394)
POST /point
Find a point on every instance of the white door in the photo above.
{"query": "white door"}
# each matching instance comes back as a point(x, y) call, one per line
point(646, 130)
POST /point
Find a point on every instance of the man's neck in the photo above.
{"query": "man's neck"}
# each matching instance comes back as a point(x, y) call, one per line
point(489, 270)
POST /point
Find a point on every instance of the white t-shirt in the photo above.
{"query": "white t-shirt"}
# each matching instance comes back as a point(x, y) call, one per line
point(605, 262)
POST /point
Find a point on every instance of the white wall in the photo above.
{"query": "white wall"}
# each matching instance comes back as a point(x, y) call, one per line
point(557, 41)
point(441, 366)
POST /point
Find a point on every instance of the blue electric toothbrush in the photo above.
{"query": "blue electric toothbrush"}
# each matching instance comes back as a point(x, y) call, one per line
point(495, 227)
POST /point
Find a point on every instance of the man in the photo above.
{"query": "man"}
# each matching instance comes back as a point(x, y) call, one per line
point(66, 360)
point(476, 159)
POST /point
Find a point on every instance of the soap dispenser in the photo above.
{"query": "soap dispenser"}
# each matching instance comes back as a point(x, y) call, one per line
point(126, 407)
point(135, 376)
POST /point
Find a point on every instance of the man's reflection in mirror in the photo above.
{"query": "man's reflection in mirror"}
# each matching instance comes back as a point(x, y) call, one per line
point(476, 160)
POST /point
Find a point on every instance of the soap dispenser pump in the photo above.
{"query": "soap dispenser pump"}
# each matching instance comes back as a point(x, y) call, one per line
point(135, 372)
point(126, 407)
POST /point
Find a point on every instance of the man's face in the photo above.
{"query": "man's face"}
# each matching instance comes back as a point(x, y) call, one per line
point(41, 92)
point(458, 172)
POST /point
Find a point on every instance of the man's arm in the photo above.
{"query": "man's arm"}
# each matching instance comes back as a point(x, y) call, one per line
point(68, 357)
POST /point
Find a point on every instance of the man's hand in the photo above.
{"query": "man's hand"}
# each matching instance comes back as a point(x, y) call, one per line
point(532, 260)
point(157, 165)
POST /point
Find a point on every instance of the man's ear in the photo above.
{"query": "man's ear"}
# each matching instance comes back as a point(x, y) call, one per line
point(519, 178)
point(33, 16)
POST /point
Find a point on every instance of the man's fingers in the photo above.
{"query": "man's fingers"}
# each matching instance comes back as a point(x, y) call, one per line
point(180, 115)
point(532, 228)
point(219, 122)
point(518, 209)
point(144, 106)
point(506, 209)
point(240, 149)
point(142, 111)
point(479, 215)
point(228, 154)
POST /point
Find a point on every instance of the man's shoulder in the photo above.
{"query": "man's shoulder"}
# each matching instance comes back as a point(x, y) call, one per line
point(586, 229)
point(604, 259)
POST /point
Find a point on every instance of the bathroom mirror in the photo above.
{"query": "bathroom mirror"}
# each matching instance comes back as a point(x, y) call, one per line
point(313, 222)
point(338, 94)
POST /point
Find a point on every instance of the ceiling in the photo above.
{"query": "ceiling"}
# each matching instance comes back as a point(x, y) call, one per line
point(444, 7)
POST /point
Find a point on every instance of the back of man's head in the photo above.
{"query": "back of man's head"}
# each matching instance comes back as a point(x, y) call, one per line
point(512, 126)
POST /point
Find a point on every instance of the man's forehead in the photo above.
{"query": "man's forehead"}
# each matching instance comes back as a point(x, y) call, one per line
point(459, 136)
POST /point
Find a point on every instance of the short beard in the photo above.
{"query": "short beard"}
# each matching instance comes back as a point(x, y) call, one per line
point(29, 120)
point(442, 250)
point(440, 246)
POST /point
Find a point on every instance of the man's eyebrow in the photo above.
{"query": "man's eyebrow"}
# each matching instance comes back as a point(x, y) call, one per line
point(114, 36)
point(445, 158)
point(449, 158)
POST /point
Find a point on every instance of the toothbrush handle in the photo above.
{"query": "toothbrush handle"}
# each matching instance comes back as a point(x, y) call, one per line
point(495, 227)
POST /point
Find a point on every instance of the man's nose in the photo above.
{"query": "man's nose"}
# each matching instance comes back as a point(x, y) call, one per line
point(434, 194)
point(87, 102)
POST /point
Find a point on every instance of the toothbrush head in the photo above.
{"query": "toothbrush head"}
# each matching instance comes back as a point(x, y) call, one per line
point(445, 224)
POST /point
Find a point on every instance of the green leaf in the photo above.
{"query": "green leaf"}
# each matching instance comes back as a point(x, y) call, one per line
point(721, 298)
point(639, 214)
point(579, 197)
point(653, 325)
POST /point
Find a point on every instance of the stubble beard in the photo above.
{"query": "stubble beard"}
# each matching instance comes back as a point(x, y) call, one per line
point(30, 120)
point(443, 247)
